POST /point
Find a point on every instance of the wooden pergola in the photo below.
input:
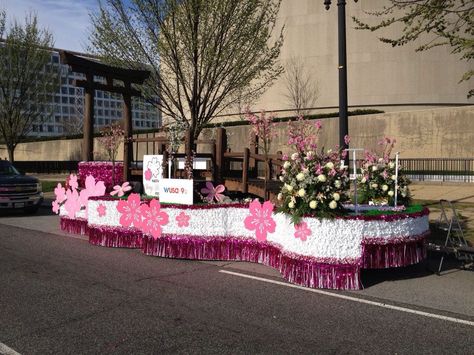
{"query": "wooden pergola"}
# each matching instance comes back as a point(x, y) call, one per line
point(128, 77)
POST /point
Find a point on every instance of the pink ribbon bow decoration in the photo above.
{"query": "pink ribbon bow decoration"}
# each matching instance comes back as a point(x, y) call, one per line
point(210, 192)
point(121, 190)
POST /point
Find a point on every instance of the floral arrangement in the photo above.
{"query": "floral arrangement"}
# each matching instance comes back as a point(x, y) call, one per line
point(378, 176)
point(314, 184)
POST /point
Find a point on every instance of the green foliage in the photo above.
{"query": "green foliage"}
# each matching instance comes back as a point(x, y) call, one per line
point(204, 55)
point(27, 80)
point(435, 22)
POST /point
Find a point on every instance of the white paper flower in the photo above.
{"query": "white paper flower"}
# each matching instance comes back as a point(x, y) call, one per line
point(282, 178)
point(300, 177)
point(291, 204)
point(391, 165)
point(322, 178)
point(390, 193)
point(313, 204)
point(393, 177)
point(332, 204)
point(375, 168)
point(384, 187)
point(294, 156)
point(336, 196)
point(301, 192)
point(374, 185)
point(280, 196)
point(286, 164)
point(330, 165)
point(289, 188)
point(337, 183)
point(364, 180)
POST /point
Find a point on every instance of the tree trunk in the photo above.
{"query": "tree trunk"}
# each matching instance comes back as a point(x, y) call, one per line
point(11, 153)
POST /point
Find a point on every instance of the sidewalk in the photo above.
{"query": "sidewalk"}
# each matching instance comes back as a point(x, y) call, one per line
point(455, 192)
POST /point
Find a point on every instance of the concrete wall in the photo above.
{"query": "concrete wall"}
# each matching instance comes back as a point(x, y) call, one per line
point(434, 133)
point(377, 73)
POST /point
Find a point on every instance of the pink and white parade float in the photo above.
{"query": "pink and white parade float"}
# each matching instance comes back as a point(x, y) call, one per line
point(311, 238)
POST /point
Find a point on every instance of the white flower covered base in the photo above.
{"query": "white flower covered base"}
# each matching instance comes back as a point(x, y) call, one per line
point(326, 253)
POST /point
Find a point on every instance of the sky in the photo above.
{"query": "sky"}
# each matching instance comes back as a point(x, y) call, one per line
point(67, 20)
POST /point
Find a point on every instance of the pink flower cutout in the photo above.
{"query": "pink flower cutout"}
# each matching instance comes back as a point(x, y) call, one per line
point(55, 207)
point(101, 210)
point(212, 192)
point(260, 219)
point(120, 190)
point(73, 182)
point(183, 219)
point(72, 204)
point(148, 174)
point(91, 189)
point(302, 231)
point(60, 193)
point(153, 218)
point(130, 211)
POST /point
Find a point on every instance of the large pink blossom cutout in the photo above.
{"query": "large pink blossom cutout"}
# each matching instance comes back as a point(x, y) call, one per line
point(72, 182)
point(130, 211)
point(56, 206)
point(183, 219)
point(302, 231)
point(91, 189)
point(153, 218)
point(260, 219)
point(210, 192)
point(72, 204)
point(60, 193)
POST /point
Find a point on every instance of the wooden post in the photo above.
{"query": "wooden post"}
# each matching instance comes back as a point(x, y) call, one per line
point(88, 135)
point(245, 171)
point(221, 147)
point(165, 164)
point(127, 127)
point(253, 150)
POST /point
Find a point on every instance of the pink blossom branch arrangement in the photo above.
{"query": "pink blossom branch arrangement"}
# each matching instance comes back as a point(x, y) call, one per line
point(379, 177)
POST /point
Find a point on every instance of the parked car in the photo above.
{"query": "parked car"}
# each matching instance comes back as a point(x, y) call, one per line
point(18, 191)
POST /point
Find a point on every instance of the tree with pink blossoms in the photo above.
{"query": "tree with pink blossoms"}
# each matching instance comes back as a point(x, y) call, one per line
point(263, 127)
point(112, 137)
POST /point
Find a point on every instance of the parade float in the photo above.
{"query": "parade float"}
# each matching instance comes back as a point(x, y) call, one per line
point(313, 233)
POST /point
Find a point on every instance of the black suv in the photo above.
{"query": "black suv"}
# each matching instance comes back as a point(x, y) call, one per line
point(17, 190)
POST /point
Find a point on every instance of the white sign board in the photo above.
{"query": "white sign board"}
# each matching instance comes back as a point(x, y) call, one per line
point(152, 173)
point(176, 191)
point(198, 163)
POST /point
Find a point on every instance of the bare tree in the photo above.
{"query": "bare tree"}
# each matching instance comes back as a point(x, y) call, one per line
point(301, 89)
point(202, 53)
point(27, 80)
point(72, 125)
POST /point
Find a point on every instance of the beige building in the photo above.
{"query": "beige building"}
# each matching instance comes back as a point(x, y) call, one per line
point(379, 76)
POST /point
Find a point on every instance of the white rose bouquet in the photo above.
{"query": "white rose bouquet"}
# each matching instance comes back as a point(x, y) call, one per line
point(314, 184)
